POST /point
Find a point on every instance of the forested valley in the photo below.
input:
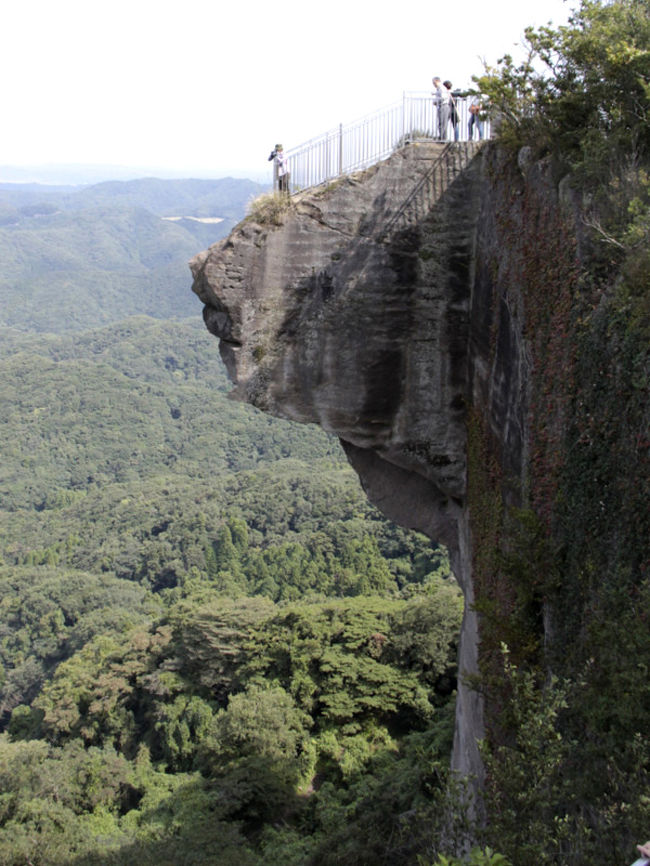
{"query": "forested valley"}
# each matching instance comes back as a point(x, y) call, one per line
point(212, 648)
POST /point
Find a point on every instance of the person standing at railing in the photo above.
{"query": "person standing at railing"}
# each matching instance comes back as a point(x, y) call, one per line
point(443, 99)
point(453, 109)
point(475, 118)
point(440, 132)
point(280, 169)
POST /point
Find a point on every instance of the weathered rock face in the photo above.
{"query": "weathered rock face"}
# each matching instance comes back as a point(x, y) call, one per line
point(353, 316)
point(372, 311)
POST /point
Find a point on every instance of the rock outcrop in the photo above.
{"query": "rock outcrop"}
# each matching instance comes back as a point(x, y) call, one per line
point(374, 309)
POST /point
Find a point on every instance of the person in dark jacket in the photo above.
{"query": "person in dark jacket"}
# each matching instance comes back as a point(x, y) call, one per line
point(452, 110)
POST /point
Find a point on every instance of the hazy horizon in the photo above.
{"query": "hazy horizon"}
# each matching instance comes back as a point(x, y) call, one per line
point(80, 174)
point(207, 89)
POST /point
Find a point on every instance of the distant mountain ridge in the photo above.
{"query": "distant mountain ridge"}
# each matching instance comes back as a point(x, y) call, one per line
point(81, 257)
point(77, 174)
point(225, 197)
point(192, 197)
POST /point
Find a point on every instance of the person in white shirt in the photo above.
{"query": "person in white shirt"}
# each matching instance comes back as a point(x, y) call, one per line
point(441, 99)
point(280, 168)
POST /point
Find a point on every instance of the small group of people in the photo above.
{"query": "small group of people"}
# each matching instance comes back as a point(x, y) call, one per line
point(447, 104)
point(280, 169)
point(446, 101)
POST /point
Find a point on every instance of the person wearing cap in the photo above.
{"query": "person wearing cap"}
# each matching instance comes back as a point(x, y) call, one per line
point(442, 99)
point(280, 168)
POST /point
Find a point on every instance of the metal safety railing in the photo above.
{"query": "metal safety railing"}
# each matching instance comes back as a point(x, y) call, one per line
point(364, 142)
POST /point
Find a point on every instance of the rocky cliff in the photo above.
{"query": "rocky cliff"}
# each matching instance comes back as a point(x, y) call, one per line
point(390, 308)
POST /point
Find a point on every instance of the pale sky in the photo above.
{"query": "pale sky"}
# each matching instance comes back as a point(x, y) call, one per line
point(204, 86)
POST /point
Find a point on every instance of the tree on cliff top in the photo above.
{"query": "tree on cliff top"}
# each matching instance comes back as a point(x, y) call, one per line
point(582, 95)
point(583, 89)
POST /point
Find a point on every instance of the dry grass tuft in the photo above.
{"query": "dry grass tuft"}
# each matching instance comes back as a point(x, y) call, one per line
point(269, 208)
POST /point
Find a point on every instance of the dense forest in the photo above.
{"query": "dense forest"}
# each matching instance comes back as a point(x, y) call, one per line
point(213, 649)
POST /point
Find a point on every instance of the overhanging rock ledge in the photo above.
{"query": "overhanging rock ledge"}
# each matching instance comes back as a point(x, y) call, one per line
point(373, 308)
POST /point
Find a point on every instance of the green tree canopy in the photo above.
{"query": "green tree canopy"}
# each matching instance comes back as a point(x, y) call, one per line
point(583, 89)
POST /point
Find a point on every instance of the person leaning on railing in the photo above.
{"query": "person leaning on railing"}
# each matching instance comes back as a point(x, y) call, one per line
point(476, 117)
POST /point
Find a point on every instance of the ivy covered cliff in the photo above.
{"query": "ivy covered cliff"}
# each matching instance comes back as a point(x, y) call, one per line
point(473, 324)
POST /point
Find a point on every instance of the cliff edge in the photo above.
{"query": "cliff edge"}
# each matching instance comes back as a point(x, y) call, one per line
point(386, 309)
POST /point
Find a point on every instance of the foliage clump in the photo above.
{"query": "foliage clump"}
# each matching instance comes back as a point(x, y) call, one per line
point(231, 717)
point(269, 208)
point(583, 89)
point(565, 578)
point(582, 94)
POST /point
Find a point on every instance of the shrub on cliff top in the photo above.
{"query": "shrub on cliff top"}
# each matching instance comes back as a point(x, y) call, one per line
point(269, 209)
point(583, 89)
point(582, 94)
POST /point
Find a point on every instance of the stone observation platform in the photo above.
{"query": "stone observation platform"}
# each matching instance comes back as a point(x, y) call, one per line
point(358, 145)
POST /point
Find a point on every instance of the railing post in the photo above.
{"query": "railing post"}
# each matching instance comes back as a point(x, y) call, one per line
point(326, 159)
point(340, 149)
point(403, 133)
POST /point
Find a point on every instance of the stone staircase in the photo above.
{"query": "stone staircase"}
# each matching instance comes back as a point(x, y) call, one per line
point(442, 164)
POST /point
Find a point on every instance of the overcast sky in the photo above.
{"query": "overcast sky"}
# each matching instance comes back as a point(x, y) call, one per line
point(204, 86)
